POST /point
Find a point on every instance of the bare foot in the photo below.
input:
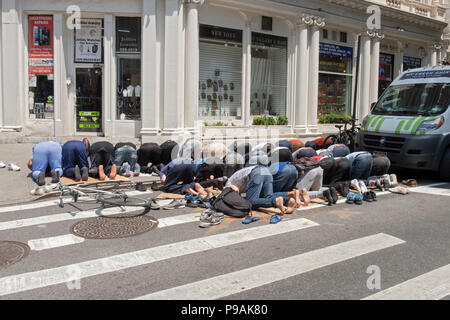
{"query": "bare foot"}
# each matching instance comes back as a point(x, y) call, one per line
point(235, 188)
point(279, 202)
point(101, 173)
point(113, 173)
point(298, 200)
point(292, 205)
point(305, 197)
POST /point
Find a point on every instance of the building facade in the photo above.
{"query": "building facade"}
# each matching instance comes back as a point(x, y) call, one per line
point(150, 69)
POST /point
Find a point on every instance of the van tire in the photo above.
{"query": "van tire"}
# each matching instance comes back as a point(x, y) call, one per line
point(444, 170)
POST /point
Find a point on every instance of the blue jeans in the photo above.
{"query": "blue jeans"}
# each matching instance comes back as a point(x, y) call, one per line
point(74, 153)
point(46, 154)
point(127, 154)
point(284, 180)
point(362, 166)
point(260, 189)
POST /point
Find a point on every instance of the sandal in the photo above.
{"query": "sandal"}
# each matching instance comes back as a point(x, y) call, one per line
point(410, 182)
point(250, 220)
point(276, 219)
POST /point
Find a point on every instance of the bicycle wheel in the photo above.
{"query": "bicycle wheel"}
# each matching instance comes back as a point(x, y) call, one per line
point(348, 140)
point(330, 140)
point(122, 200)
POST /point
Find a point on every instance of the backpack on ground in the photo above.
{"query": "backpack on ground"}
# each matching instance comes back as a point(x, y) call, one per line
point(232, 204)
point(304, 165)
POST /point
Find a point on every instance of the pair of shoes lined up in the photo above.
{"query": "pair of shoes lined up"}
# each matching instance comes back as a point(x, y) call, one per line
point(11, 166)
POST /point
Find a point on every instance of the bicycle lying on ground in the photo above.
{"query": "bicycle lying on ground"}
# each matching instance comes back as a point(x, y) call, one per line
point(346, 136)
point(114, 198)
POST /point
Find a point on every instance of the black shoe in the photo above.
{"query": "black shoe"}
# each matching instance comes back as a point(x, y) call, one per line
point(367, 197)
point(155, 186)
point(379, 186)
point(334, 195)
point(373, 195)
point(327, 195)
point(77, 173)
point(346, 188)
point(339, 188)
point(41, 179)
point(55, 176)
point(141, 187)
point(84, 174)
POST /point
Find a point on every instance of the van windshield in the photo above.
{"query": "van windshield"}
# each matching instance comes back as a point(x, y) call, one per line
point(419, 99)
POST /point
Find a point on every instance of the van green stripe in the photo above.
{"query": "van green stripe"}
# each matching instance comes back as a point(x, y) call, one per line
point(380, 123)
point(375, 121)
point(399, 127)
point(371, 118)
point(409, 124)
point(417, 124)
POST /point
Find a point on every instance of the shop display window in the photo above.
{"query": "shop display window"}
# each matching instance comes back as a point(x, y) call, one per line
point(269, 75)
point(128, 57)
point(40, 67)
point(335, 79)
point(220, 79)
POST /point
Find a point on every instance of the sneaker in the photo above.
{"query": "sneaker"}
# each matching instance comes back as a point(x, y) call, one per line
point(394, 180)
point(346, 188)
point(39, 191)
point(2, 164)
point(84, 174)
point(378, 184)
point(41, 179)
point(205, 214)
point(358, 199)
point(77, 173)
point(55, 176)
point(175, 204)
point(386, 181)
point(334, 194)
point(363, 187)
point(155, 186)
point(328, 197)
point(212, 220)
point(126, 171)
point(50, 187)
point(13, 167)
point(367, 197)
point(350, 198)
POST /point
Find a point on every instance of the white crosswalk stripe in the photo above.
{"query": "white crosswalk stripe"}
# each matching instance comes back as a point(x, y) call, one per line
point(236, 282)
point(64, 274)
point(433, 189)
point(433, 285)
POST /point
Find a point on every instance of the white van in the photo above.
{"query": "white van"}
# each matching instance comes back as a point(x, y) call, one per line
point(410, 123)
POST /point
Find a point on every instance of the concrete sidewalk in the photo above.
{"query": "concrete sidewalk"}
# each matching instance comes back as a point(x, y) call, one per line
point(16, 186)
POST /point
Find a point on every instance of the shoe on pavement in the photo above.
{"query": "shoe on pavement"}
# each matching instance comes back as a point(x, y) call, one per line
point(13, 167)
point(175, 204)
point(55, 176)
point(50, 187)
point(41, 179)
point(84, 174)
point(39, 191)
point(334, 195)
point(213, 219)
point(2, 164)
point(76, 173)
point(394, 180)
point(328, 197)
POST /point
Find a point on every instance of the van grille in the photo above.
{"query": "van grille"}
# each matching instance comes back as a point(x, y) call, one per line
point(383, 143)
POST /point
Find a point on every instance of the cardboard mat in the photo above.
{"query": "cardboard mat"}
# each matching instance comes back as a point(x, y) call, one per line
point(71, 182)
point(171, 196)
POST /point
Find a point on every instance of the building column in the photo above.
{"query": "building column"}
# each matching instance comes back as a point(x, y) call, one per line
point(374, 67)
point(149, 103)
point(11, 64)
point(364, 97)
point(301, 101)
point(59, 80)
point(192, 64)
point(314, 74)
point(246, 73)
point(108, 114)
point(398, 60)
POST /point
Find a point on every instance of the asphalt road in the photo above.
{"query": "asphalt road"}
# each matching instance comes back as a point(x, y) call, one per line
point(395, 248)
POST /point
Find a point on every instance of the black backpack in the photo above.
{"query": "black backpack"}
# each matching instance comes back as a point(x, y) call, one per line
point(231, 203)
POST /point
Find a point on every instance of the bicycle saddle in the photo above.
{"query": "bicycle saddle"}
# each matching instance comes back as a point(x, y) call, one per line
point(339, 126)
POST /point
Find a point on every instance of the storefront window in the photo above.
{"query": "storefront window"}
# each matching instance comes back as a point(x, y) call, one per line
point(335, 79)
point(386, 75)
point(220, 79)
point(269, 75)
point(411, 63)
point(128, 55)
point(40, 67)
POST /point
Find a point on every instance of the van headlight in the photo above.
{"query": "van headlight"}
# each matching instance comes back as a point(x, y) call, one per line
point(430, 125)
point(364, 121)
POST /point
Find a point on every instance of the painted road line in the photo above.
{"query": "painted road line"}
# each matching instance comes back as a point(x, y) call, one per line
point(433, 285)
point(434, 190)
point(247, 279)
point(49, 203)
point(70, 239)
point(44, 278)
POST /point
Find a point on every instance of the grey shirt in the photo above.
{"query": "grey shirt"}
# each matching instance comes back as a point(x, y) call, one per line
point(240, 178)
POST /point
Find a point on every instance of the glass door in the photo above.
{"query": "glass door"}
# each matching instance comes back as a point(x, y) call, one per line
point(89, 99)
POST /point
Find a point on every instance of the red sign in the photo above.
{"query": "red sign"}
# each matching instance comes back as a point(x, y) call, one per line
point(40, 44)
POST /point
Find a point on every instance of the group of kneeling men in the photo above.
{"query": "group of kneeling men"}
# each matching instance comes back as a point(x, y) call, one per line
point(285, 175)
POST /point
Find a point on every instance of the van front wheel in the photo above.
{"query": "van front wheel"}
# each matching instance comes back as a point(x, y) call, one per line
point(445, 166)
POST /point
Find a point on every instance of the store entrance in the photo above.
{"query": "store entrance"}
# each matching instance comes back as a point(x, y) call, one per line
point(89, 100)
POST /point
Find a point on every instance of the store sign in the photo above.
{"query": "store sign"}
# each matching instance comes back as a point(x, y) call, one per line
point(128, 34)
point(386, 67)
point(88, 41)
point(40, 44)
point(336, 51)
point(411, 62)
point(218, 33)
point(89, 119)
point(426, 75)
point(266, 40)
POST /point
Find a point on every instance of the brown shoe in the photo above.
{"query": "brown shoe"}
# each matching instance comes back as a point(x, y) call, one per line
point(101, 173)
point(113, 173)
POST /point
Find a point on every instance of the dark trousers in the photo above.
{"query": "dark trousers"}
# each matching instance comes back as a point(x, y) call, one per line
point(335, 170)
point(381, 166)
point(260, 189)
point(74, 153)
point(101, 158)
point(149, 153)
point(179, 179)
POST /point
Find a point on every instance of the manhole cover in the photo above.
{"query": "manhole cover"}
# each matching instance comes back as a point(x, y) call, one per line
point(12, 252)
point(113, 227)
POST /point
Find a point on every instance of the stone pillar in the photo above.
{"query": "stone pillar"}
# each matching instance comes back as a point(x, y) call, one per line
point(302, 84)
point(364, 104)
point(314, 74)
point(149, 63)
point(192, 64)
point(59, 79)
point(108, 114)
point(247, 73)
point(11, 64)
point(374, 67)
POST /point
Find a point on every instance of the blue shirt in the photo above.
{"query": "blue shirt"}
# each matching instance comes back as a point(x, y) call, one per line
point(277, 167)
